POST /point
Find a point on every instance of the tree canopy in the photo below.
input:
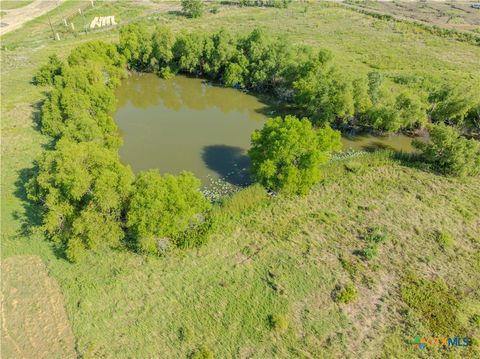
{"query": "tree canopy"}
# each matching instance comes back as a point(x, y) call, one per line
point(163, 206)
point(450, 153)
point(82, 188)
point(287, 153)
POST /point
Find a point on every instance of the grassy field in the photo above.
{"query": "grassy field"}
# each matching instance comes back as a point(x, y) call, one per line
point(268, 282)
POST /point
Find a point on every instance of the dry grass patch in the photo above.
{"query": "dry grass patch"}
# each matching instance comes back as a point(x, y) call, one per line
point(34, 321)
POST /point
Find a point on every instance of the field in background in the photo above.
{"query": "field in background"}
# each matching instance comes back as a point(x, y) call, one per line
point(457, 15)
point(13, 4)
point(284, 257)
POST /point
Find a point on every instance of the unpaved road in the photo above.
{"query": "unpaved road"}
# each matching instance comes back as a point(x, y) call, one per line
point(15, 18)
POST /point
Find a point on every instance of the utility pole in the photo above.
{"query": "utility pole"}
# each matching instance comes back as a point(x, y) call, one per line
point(51, 27)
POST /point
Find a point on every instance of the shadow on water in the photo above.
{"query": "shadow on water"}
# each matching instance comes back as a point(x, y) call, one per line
point(231, 163)
point(375, 146)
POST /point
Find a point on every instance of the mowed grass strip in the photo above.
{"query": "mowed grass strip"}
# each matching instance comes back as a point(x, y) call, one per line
point(34, 321)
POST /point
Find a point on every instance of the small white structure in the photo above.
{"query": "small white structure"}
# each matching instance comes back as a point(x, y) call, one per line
point(102, 21)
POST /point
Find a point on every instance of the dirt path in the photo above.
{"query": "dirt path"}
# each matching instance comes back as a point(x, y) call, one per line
point(15, 18)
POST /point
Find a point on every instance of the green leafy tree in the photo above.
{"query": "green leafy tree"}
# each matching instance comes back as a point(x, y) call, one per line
point(219, 51)
point(136, 45)
point(451, 153)
point(46, 74)
point(102, 56)
point(287, 152)
point(361, 97)
point(162, 48)
point(188, 51)
point(456, 105)
point(412, 110)
point(265, 59)
point(323, 91)
point(82, 188)
point(192, 8)
point(79, 107)
point(163, 206)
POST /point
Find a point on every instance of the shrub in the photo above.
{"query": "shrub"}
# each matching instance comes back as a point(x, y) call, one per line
point(46, 74)
point(347, 294)
point(287, 152)
point(192, 8)
point(82, 188)
point(197, 234)
point(369, 252)
point(278, 322)
point(376, 235)
point(450, 153)
point(163, 207)
point(202, 352)
point(444, 239)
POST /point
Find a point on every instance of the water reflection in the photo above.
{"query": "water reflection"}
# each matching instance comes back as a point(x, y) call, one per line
point(147, 90)
point(188, 124)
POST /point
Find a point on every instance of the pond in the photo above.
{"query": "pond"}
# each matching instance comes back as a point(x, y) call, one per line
point(187, 124)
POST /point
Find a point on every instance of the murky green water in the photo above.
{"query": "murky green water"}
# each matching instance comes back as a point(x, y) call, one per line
point(187, 124)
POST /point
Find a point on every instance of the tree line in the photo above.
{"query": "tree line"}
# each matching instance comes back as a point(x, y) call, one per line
point(89, 199)
point(308, 79)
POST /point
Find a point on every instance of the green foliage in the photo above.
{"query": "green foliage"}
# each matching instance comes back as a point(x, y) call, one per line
point(188, 50)
point(411, 110)
point(434, 304)
point(376, 235)
point(323, 91)
point(287, 152)
point(458, 105)
point(46, 74)
point(369, 252)
point(136, 45)
point(375, 80)
point(79, 106)
point(82, 188)
point(163, 207)
point(264, 59)
point(278, 322)
point(192, 8)
point(197, 234)
point(219, 51)
point(444, 239)
point(162, 49)
point(202, 352)
point(266, 3)
point(346, 294)
point(450, 153)
point(310, 80)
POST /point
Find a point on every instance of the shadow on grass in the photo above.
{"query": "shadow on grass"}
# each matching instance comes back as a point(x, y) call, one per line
point(231, 163)
point(31, 218)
